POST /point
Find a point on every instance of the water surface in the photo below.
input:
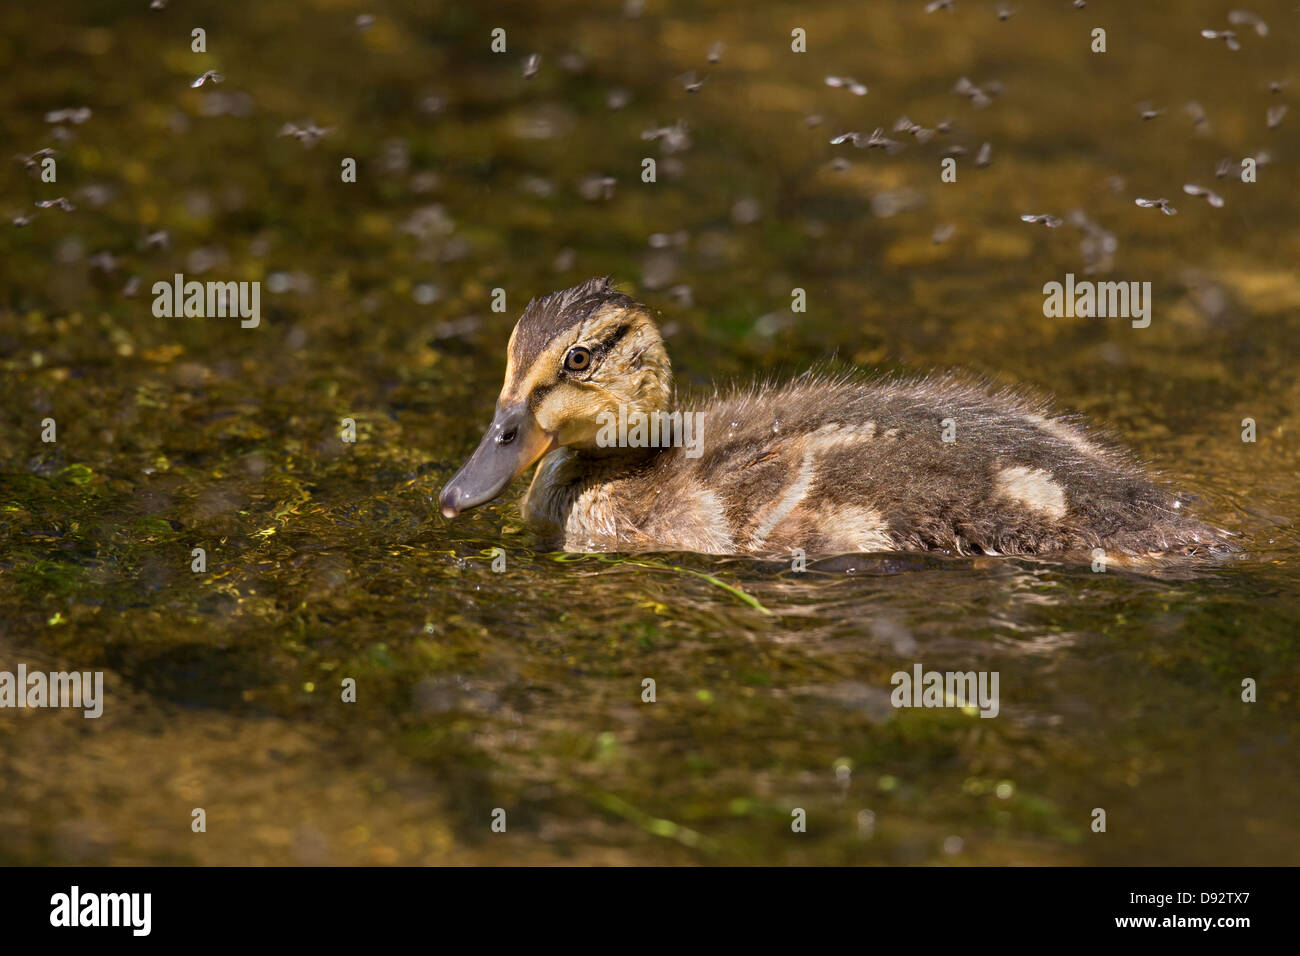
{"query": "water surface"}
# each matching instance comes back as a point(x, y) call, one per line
point(522, 690)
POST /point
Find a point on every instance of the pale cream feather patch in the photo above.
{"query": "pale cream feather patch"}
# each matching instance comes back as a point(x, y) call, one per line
point(1062, 431)
point(1032, 488)
point(697, 523)
point(857, 529)
point(788, 501)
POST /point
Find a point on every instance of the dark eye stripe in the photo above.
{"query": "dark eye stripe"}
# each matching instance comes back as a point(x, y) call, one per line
point(600, 351)
point(539, 393)
point(613, 340)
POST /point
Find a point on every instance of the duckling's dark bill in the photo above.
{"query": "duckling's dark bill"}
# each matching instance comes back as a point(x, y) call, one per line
point(512, 443)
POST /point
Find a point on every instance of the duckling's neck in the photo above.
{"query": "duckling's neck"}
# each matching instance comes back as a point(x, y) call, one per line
point(565, 477)
point(638, 429)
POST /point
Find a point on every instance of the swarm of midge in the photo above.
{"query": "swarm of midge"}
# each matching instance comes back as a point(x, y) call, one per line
point(979, 97)
point(1237, 18)
point(532, 65)
point(1148, 112)
point(877, 140)
point(847, 83)
point(1229, 37)
point(1005, 13)
point(1161, 204)
point(1196, 113)
point(935, 5)
point(1245, 18)
point(891, 202)
point(75, 115)
point(672, 139)
point(307, 132)
point(31, 160)
point(1213, 198)
point(919, 133)
point(668, 240)
point(596, 187)
point(683, 295)
point(208, 76)
point(1042, 219)
point(1098, 245)
point(103, 261)
point(1274, 115)
point(537, 186)
point(691, 82)
point(573, 62)
point(715, 52)
point(431, 104)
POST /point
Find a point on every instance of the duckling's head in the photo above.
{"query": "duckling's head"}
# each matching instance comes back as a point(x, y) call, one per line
point(574, 357)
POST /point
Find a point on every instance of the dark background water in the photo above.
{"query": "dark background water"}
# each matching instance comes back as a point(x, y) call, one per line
point(522, 690)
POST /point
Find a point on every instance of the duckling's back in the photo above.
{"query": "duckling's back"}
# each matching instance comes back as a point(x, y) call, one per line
point(840, 466)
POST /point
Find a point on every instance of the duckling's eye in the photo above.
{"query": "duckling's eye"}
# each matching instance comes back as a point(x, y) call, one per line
point(577, 360)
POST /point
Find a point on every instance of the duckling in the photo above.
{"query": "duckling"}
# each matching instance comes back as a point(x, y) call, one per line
point(827, 465)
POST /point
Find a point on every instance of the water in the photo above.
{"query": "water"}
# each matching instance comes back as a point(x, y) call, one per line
point(522, 690)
